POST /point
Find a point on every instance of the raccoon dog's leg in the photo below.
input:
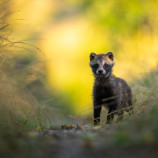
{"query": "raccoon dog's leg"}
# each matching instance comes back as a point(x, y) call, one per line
point(111, 114)
point(97, 110)
point(130, 109)
point(120, 116)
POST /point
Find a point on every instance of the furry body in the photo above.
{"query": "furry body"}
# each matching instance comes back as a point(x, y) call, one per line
point(108, 91)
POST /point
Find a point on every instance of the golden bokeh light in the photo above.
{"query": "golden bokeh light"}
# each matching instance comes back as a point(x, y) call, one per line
point(67, 38)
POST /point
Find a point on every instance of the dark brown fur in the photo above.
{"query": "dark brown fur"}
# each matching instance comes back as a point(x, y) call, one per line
point(109, 91)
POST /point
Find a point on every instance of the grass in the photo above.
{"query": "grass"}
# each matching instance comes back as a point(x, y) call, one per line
point(20, 110)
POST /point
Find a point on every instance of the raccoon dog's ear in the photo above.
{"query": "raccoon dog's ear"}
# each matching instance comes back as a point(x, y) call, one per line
point(92, 56)
point(110, 55)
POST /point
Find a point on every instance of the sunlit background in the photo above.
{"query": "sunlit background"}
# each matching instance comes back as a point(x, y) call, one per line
point(67, 31)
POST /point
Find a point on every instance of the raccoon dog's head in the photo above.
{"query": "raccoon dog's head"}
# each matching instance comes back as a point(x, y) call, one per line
point(101, 64)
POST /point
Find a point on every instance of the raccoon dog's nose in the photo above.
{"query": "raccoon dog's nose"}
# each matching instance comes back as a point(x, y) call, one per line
point(100, 72)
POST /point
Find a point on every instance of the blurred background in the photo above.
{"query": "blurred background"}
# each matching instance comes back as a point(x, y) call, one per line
point(49, 42)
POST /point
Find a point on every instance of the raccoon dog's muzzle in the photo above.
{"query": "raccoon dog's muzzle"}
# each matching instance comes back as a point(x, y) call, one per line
point(100, 72)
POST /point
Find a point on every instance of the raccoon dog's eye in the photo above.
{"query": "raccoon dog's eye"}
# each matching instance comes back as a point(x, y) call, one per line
point(96, 65)
point(106, 65)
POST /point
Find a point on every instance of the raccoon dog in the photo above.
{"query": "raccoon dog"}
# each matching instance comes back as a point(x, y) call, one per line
point(109, 91)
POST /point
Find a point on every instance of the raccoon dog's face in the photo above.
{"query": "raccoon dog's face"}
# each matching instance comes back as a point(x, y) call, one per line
point(101, 64)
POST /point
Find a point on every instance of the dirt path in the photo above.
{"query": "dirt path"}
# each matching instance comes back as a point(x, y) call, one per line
point(85, 143)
